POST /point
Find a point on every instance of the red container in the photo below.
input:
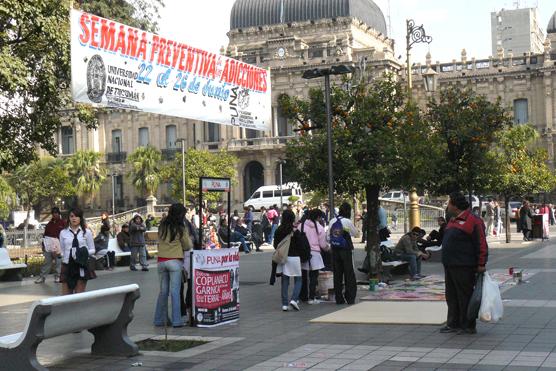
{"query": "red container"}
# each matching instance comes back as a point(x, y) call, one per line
point(511, 271)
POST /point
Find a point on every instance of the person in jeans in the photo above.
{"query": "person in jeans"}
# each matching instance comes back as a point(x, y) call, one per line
point(51, 246)
point(137, 243)
point(274, 219)
point(292, 267)
point(409, 252)
point(342, 258)
point(173, 239)
point(316, 235)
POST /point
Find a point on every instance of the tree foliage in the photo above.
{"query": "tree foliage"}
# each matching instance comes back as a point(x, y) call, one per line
point(468, 125)
point(145, 170)
point(7, 198)
point(42, 182)
point(35, 69)
point(379, 142)
point(200, 163)
point(87, 173)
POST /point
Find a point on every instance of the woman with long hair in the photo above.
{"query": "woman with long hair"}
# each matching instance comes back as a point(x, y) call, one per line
point(76, 243)
point(173, 240)
point(292, 267)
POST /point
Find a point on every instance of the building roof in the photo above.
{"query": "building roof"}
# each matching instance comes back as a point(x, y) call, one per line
point(552, 24)
point(252, 13)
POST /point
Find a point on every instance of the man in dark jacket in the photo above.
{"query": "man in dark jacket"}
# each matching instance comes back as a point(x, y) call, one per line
point(464, 254)
point(137, 242)
point(526, 220)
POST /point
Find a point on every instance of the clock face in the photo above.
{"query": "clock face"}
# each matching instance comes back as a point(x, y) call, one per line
point(281, 52)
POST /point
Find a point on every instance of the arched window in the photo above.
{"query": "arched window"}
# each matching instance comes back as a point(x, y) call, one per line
point(521, 111)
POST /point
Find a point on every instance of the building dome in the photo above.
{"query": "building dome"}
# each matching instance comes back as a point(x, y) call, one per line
point(552, 24)
point(252, 13)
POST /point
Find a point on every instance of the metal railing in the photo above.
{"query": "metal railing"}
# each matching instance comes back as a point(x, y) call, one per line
point(428, 215)
point(116, 157)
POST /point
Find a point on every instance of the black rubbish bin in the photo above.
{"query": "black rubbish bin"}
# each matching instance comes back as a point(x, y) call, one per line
point(537, 227)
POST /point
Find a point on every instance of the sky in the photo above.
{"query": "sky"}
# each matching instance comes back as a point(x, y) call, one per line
point(453, 25)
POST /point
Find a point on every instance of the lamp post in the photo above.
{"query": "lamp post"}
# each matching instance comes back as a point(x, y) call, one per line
point(280, 163)
point(113, 175)
point(326, 72)
point(414, 35)
point(182, 141)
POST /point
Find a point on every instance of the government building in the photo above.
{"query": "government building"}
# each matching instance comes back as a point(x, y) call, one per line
point(290, 37)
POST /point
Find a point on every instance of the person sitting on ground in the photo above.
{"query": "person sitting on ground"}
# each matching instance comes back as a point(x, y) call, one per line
point(149, 222)
point(234, 236)
point(408, 251)
point(435, 237)
point(123, 238)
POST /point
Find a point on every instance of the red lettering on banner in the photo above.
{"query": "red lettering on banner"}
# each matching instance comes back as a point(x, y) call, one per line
point(94, 30)
point(107, 34)
point(190, 59)
point(131, 42)
point(212, 289)
point(120, 44)
point(142, 52)
point(83, 20)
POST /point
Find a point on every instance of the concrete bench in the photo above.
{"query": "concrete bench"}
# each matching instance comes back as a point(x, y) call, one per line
point(113, 246)
point(8, 270)
point(105, 313)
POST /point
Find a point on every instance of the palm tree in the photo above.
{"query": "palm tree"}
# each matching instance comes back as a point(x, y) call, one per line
point(87, 173)
point(145, 170)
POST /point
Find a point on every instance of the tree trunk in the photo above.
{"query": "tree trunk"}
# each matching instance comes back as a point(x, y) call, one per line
point(507, 220)
point(25, 226)
point(373, 244)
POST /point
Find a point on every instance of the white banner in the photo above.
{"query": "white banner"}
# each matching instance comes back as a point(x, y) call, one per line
point(215, 278)
point(114, 65)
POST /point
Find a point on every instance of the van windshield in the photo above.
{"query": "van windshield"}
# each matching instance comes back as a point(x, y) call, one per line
point(256, 195)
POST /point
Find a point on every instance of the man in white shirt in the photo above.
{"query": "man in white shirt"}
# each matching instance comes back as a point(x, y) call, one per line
point(340, 233)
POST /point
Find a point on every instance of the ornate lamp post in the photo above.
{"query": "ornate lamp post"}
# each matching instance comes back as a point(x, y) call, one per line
point(326, 72)
point(415, 34)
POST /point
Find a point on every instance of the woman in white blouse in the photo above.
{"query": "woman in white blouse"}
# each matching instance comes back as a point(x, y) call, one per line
point(74, 240)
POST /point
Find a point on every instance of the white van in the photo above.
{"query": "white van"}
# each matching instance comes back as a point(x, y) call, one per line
point(270, 195)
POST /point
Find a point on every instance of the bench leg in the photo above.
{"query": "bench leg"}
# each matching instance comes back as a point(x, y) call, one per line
point(112, 339)
point(24, 356)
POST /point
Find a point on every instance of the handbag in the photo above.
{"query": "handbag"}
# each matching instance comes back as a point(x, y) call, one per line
point(280, 255)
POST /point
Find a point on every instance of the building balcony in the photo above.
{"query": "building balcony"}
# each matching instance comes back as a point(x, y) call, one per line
point(116, 157)
point(258, 143)
point(168, 154)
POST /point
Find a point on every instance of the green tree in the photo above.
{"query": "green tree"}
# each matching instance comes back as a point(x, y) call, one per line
point(200, 163)
point(7, 198)
point(519, 167)
point(374, 143)
point(468, 125)
point(145, 170)
point(87, 174)
point(35, 69)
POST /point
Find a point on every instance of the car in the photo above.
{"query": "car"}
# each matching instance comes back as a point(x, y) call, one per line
point(395, 196)
point(266, 196)
point(514, 207)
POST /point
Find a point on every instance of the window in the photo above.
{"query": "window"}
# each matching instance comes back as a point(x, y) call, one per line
point(250, 133)
point(267, 194)
point(286, 192)
point(256, 195)
point(212, 132)
point(119, 189)
point(68, 144)
point(397, 195)
point(284, 129)
point(116, 141)
point(143, 137)
point(171, 136)
point(521, 111)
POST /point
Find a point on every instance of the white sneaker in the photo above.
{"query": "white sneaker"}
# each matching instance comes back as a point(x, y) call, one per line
point(294, 305)
point(314, 301)
point(285, 308)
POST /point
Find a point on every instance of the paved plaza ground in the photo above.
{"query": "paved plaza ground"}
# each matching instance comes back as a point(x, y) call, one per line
point(265, 338)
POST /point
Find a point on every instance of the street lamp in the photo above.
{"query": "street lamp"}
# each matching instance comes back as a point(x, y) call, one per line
point(280, 163)
point(313, 73)
point(430, 78)
point(414, 35)
point(182, 141)
point(113, 175)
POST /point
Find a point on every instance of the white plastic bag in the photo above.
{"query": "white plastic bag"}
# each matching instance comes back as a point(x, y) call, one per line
point(492, 308)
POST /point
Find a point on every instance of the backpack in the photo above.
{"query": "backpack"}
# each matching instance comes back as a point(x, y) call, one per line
point(338, 238)
point(387, 254)
point(264, 222)
point(302, 244)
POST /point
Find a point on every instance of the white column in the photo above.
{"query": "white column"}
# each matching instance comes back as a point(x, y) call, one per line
point(274, 122)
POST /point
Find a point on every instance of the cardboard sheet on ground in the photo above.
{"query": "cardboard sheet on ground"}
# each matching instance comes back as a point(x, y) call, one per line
point(430, 288)
point(390, 312)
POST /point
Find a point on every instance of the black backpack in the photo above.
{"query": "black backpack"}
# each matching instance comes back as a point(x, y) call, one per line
point(302, 244)
point(387, 254)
